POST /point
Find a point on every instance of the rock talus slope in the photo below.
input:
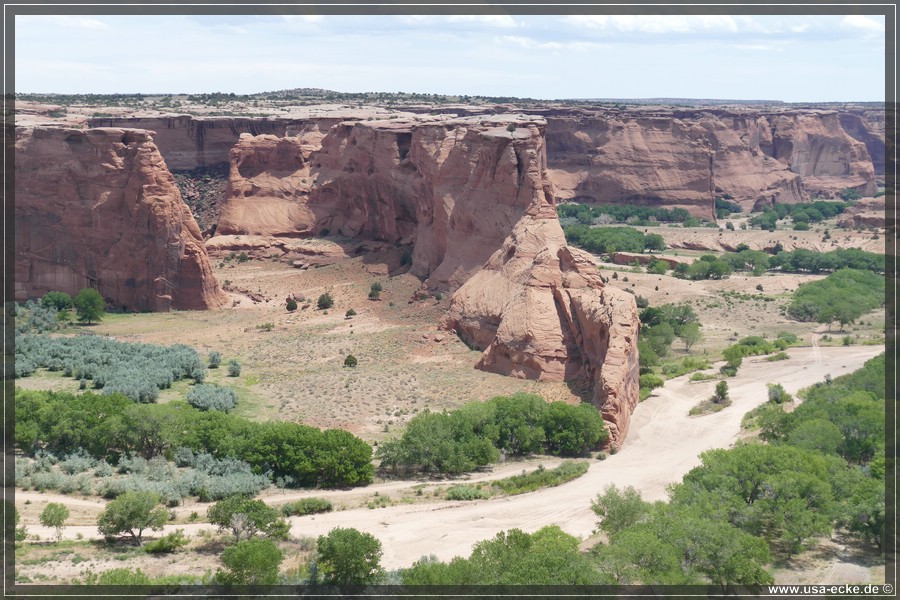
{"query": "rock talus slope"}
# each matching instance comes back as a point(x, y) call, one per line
point(472, 200)
point(99, 208)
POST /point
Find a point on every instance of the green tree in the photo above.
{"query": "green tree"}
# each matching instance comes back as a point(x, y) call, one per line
point(654, 241)
point(350, 361)
point(619, 510)
point(55, 515)
point(573, 430)
point(817, 435)
point(690, 335)
point(250, 562)
point(132, 513)
point(325, 301)
point(721, 394)
point(245, 517)
point(291, 305)
point(58, 300)
point(89, 305)
point(347, 556)
point(518, 419)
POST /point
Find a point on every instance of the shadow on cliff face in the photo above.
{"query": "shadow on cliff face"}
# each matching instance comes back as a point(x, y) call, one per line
point(581, 387)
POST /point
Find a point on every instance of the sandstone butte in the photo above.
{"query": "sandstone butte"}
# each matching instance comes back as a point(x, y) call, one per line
point(100, 208)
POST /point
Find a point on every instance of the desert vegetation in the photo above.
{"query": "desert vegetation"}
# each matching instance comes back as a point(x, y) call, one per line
point(475, 435)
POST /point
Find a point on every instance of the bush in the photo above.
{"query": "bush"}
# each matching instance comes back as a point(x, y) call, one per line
point(234, 368)
point(325, 301)
point(168, 543)
point(350, 361)
point(541, 478)
point(350, 313)
point(466, 492)
point(137, 370)
point(215, 359)
point(77, 462)
point(777, 393)
point(306, 506)
point(650, 381)
point(212, 397)
point(291, 305)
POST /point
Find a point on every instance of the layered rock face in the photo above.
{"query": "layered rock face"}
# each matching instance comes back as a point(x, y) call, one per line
point(187, 142)
point(687, 158)
point(815, 146)
point(99, 208)
point(472, 198)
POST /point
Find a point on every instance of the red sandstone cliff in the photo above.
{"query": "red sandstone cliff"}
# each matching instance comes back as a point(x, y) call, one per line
point(473, 199)
point(99, 208)
point(187, 142)
point(815, 146)
point(660, 156)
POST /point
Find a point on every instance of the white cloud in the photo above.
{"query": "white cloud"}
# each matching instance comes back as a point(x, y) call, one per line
point(503, 21)
point(862, 22)
point(654, 23)
point(78, 21)
point(303, 19)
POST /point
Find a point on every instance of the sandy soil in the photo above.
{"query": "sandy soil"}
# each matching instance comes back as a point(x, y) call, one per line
point(663, 444)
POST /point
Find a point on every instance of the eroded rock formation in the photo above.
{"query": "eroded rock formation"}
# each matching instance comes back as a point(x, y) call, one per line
point(99, 208)
point(187, 142)
point(688, 158)
point(471, 198)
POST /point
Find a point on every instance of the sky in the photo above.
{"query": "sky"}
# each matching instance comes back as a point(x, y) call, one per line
point(813, 58)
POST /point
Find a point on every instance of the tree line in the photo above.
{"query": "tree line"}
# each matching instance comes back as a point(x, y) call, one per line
point(111, 427)
point(476, 434)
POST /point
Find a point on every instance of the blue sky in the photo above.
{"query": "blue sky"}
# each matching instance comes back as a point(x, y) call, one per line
point(789, 58)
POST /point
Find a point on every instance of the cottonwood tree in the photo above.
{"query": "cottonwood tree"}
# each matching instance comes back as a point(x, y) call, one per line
point(245, 518)
point(250, 562)
point(347, 556)
point(132, 513)
point(619, 510)
point(89, 305)
point(54, 515)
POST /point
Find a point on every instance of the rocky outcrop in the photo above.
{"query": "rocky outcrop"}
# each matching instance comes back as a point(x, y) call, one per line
point(867, 213)
point(189, 142)
point(674, 157)
point(815, 146)
point(450, 188)
point(868, 127)
point(99, 208)
point(687, 158)
point(540, 311)
point(470, 197)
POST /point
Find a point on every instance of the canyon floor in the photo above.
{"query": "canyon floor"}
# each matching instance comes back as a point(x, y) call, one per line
point(293, 369)
point(663, 444)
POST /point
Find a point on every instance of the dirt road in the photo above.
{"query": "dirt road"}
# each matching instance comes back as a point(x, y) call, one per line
point(662, 445)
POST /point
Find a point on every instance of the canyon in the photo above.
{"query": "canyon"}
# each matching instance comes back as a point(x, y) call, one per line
point(466, 197)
